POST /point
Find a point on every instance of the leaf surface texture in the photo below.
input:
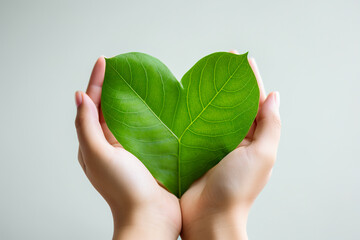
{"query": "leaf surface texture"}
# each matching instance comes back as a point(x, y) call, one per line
point(179, 130)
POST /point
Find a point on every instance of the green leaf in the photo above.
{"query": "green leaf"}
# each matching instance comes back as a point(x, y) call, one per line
point(179, 130)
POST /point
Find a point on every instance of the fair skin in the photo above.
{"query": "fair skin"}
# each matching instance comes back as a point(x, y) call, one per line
point(216, 206)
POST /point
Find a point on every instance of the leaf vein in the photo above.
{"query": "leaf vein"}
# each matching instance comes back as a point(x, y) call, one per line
point(187, 128)
point(144, 102)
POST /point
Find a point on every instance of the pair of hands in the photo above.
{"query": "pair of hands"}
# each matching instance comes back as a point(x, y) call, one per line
point(216, 206)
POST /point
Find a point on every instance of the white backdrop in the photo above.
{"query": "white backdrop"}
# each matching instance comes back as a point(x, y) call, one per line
point(307, 50)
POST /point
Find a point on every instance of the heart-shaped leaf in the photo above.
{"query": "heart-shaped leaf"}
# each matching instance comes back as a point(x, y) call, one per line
point(179, 130)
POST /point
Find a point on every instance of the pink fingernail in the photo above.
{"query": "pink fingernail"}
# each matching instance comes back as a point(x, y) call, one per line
point(78, 98)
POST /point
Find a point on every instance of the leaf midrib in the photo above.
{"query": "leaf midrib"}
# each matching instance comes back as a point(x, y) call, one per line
point(176, 137)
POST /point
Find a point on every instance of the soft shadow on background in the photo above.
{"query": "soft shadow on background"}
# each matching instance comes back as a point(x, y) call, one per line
point(307, 50)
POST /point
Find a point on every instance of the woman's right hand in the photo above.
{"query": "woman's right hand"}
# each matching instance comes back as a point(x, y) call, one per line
point(216, 206)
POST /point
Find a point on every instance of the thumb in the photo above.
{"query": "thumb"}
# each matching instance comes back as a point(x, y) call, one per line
point(90, 135)
point(267, 133)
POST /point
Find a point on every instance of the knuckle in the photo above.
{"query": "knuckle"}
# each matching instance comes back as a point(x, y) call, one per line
point(80, 156)
point(81, 161)
point(265, 156)
point(261, 153)
point(276, 121)
point(270, 161)
point(79, 120)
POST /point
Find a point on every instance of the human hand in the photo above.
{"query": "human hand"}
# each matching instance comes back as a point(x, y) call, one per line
point(141, 208)
point(216, 206)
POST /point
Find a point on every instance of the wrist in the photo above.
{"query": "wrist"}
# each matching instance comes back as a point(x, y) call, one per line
point(225, 224)
point(143, 223)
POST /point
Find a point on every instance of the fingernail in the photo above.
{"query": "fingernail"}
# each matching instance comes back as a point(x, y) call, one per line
point(78, 98)
point(277, 98)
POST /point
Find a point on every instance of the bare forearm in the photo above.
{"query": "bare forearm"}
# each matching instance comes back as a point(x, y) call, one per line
point(141, 232)
point(229, 225)
point(142, 224)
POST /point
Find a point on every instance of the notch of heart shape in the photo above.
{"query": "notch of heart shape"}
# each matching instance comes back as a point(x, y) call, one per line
point(179, 130)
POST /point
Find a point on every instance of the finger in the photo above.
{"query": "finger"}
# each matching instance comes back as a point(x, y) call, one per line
point(255, 69)
point(94, 92)
point(234, 51)
point(267, 133)
point(96, 81)
point(90, 135)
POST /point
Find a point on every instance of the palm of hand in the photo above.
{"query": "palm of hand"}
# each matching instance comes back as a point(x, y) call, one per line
point(130, 177)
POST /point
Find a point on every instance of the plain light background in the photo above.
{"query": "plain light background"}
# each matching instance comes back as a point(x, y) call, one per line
point(307, 50)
